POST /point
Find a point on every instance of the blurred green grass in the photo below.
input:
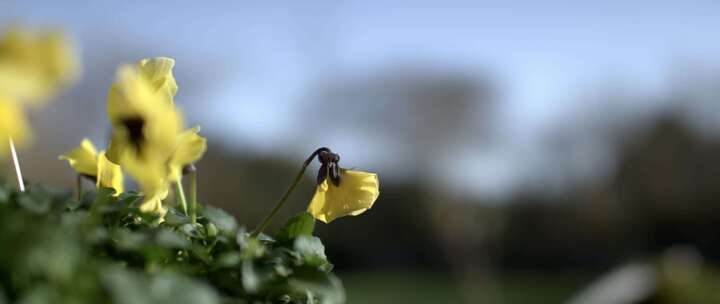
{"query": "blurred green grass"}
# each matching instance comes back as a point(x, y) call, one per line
point(427, 287)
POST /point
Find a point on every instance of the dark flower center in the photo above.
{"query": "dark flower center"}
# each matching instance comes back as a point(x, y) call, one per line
point(329, 168)
point(135, 126)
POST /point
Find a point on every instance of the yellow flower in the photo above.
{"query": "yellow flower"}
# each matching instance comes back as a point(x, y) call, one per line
point(147, 140)
point(13, 124)
point(144, 130)
point(143, 123)
point(356, 193)
point(86, 160)
point(33, 66)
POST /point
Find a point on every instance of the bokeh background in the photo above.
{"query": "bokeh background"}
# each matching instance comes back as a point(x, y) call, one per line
point(526, 150)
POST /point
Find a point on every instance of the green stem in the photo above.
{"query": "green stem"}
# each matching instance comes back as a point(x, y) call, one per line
point(281, 202)
point(193, 197)
point(180, 194)
point(79, 187)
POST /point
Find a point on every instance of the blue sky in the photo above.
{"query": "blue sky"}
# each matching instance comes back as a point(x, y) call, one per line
point(257, 60)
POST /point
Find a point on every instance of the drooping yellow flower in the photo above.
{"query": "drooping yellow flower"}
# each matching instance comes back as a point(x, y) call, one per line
point(147, 140)
point(13, 124)
point(355, 194)
point(87, 161)
point(34, 65)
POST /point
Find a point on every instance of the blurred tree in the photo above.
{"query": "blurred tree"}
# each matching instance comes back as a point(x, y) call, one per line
point(668, 179)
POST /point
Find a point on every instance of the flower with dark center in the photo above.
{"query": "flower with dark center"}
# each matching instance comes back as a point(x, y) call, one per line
point(341, 192)
point(148, 139)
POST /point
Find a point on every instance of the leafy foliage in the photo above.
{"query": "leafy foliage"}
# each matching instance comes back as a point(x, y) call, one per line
point(57, 249)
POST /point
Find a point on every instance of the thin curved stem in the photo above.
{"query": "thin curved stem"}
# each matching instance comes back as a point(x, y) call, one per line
point(283, 199)
point(180, 195)
point(79, 187)
point(193, 197)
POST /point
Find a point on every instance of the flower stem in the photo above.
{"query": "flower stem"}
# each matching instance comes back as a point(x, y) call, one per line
point(193, 197)
point(79, 187)
point(283, 199)
point(16, 163)
point(180, 195)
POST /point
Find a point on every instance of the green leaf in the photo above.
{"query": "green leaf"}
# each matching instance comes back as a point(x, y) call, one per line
point(211, 230)
point(103, 196)
point(225, 222)
point(128, 287)
point(129, 240)
point(170, 239)
point(301, 224)
point(250, 278)
point(200, 252)
point(40, 295)
point(35, 202)
point(311, 250)
point(264, 238)
point(72, 204)
point(325, 287)
point(249, 247)
point(176, 218)
point(192, 230)
point(4, 195)
point(3, 296)
point(129, 199)
point(103, 201)
point(228, 259)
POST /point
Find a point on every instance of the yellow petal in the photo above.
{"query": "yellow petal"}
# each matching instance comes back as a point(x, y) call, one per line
point(114, 149)
point(131, 95)
point(83, 158)
point(190, 149)
point(13, 124)
point(153, 204)
point(109, 175)
point(149, 171)
point(159, 71)
point(357, 192)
